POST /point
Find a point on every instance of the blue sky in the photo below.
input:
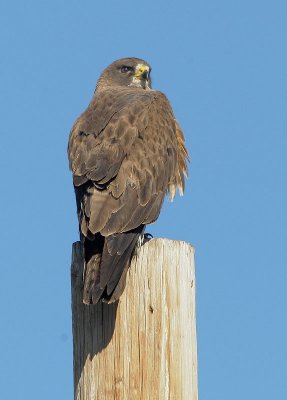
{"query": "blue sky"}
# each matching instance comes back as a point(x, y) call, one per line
point(223, 66)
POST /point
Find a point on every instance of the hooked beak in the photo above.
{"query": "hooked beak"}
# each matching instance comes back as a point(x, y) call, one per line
point(142, 72)
point(141, 77)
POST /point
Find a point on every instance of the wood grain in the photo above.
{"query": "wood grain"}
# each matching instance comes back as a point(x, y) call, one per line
point(144, 346)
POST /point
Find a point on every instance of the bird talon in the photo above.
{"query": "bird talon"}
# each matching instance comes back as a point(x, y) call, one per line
point(146, 237)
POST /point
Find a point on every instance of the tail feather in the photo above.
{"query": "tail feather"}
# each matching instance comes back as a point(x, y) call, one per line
point(91, 277)
point(105, 273)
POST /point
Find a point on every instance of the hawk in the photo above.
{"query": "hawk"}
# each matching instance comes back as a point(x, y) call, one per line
point(126, 151)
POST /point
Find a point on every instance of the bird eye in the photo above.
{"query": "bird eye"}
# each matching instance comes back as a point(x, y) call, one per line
point(126, 68)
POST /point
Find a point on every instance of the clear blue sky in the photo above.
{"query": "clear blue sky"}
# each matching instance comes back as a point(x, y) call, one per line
point(223, 65)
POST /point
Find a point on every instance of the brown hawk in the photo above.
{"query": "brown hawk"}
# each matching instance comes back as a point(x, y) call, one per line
point(126, 151)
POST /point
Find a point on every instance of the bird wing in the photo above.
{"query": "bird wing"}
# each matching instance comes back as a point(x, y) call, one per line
point(126, 151)
point(129, 153)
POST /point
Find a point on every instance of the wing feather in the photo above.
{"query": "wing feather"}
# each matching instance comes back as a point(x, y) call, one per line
point(126, 151)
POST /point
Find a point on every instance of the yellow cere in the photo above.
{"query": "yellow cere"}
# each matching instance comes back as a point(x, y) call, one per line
point(140, 68)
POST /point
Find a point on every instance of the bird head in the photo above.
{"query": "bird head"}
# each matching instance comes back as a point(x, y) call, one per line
point(127, 72)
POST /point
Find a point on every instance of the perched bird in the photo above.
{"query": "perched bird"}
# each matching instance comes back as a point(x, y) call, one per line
point(126, 151)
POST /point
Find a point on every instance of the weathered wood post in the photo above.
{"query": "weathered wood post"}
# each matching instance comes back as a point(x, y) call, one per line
point(144, 346)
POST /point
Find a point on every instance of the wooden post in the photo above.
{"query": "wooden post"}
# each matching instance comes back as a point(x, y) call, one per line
point(144, 346)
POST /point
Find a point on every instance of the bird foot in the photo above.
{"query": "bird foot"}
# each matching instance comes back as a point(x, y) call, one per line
point(146, 237)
